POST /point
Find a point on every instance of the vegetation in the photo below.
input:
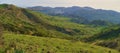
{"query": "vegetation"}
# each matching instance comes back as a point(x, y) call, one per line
point(29, 22)
point(110, 37)
point(18, 43)
point(27, 31)
point(1, 35)
point(81, 14)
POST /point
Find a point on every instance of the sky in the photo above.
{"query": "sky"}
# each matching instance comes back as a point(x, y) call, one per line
point(98, 4)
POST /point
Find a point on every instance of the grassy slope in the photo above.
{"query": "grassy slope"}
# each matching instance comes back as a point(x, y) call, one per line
point(14, 19)
point(29, 22)
point(31, 44)
point(109, 37)
point(65, 22)
point(79, 30)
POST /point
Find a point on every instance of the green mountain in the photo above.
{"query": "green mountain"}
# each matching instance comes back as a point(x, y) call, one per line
point(24, 21)
point(83, 15)
point(109, 37)
point(27, 31)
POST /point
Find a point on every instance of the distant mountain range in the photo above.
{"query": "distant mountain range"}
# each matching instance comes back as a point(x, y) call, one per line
point(81, 14)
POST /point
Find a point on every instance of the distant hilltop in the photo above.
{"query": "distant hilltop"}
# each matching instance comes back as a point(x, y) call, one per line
point(86, 13)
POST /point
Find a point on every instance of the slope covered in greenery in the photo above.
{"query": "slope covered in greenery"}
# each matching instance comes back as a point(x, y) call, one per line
point(20, 21)
point(24, 21)
point(109, 37)
point(31, 44)
point(46, 34)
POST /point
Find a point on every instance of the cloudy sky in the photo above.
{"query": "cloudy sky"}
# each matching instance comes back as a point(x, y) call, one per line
point(99, 4)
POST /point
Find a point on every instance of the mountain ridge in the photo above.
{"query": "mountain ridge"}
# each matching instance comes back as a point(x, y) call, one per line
point(87, 13)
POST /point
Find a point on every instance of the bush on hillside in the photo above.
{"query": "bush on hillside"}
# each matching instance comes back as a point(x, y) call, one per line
point(1, 37)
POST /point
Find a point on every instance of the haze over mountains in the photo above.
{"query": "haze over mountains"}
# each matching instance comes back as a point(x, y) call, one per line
point(81, 14)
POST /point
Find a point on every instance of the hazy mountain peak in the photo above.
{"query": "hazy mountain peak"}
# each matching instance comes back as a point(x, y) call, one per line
point(88, 13)
point(90, 8)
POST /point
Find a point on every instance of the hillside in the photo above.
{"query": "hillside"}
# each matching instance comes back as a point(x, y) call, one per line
point(107, 37)
point(20, 20)
point(28, 31)
point(81, 14)
point(24, 21)
point(110, 38)
point(18, 43)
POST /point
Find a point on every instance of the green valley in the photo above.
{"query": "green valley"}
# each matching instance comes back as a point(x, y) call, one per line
point(27, 31)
